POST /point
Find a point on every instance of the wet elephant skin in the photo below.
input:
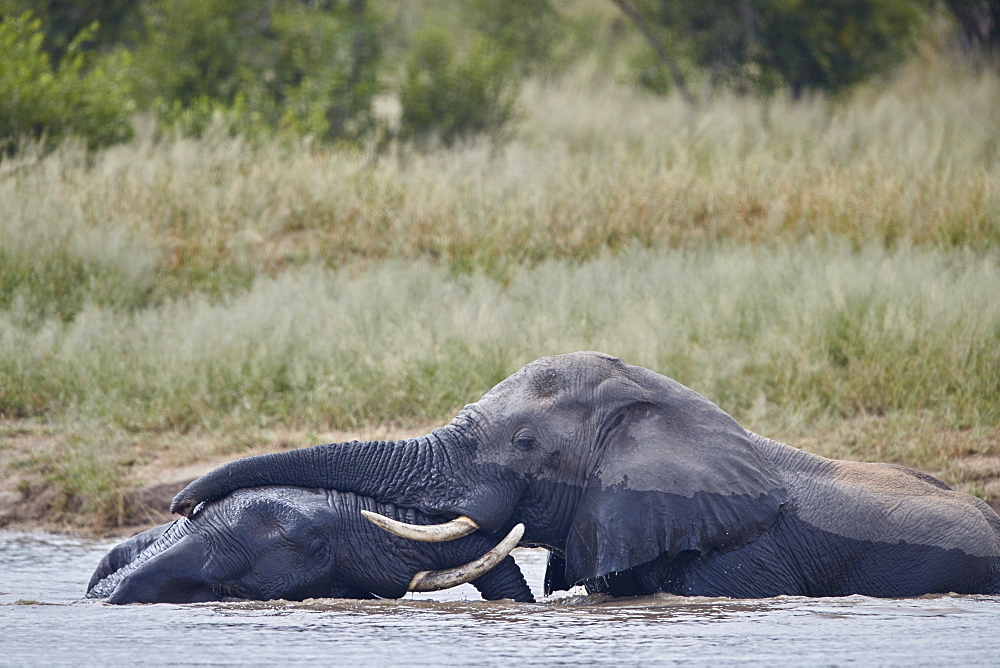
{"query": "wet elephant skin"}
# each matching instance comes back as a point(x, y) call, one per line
point(626, 475)
point(287, 543)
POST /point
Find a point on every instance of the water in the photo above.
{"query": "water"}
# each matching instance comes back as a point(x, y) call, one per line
point(44, 621)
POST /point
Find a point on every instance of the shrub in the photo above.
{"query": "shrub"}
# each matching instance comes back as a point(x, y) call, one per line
point(255, 69)
point(528, 30)
point(450, 98)
point(768, 44)
point(85, 96)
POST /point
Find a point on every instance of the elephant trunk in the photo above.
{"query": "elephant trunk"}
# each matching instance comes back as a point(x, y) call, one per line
point(421, 473)
point(125, 558)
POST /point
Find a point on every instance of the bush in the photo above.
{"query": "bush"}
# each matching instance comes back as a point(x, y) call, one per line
point(256, 69)
point(769, 44)
point(528, 30)
point(86, 97)
point(448, 98)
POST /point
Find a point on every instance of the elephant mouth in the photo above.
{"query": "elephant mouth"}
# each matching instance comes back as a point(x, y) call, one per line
point(452, 577)
point(428, 533)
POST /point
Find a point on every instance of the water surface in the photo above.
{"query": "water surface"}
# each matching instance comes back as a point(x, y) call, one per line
point(44, 621)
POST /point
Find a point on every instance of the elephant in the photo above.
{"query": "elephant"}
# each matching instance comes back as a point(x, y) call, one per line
point(294, 543)
point(637, 484)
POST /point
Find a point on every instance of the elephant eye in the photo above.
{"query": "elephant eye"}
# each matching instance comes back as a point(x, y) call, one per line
point(524, 442)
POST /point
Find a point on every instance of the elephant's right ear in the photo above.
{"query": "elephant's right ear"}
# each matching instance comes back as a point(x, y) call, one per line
point(675, 473)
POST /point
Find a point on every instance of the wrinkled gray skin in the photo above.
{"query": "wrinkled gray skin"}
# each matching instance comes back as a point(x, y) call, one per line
point(286, 543)
point(638, 484)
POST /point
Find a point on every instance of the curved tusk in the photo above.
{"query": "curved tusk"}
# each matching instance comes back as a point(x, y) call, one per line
point(452, 577)
point(429, 533)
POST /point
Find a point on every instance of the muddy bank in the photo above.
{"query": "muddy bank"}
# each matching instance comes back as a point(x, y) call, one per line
point(106, 497)
point(34, 496)
point(34, 505)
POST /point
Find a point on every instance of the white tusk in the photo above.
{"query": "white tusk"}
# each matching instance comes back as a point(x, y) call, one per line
point(452, 577)
point(429, 533)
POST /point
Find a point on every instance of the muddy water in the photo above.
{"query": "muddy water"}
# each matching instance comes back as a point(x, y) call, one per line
point(43, 621)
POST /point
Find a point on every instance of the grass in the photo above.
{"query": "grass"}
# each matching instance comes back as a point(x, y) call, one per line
point(592, 167)
point(815, 329)
point(824, 270)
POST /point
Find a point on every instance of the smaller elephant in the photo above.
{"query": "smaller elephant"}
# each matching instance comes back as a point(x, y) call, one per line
point(271, 543)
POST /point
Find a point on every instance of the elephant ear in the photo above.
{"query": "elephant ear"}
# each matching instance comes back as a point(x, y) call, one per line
point(676, 473)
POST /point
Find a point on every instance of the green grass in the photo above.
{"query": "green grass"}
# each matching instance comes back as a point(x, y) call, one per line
point(825, 270)
point(810, 330)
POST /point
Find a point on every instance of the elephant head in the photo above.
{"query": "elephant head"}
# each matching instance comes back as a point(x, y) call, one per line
point(608, 465)
point(286, 542)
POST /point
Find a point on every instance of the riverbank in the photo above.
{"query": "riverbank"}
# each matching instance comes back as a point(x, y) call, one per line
point(37, 499)
point(36, 493)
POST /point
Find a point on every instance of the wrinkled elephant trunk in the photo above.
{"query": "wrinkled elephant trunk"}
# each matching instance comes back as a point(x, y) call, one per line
point(422, 473)
point(128, 556)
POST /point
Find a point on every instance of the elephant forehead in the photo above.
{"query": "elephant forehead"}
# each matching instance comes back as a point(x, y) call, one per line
point(285, 505)
point(546, 382)
point(881, 504)
point(546, 399)
point(547, 376)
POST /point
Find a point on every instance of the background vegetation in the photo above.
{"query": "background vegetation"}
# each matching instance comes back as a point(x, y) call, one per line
point(229, 227)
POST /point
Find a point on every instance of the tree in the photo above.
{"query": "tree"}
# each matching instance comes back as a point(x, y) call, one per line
point(83, 96)
point(448, 97)
point(764, 44)
point(649, 31)
point(979, 23)
point(63, 20)
point(526, 30)
point(304, 68)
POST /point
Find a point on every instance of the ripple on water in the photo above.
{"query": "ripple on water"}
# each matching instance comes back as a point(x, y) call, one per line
point(44, 620)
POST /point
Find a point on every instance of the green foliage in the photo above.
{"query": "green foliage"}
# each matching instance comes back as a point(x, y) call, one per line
point(328, 70)
point(86, 96)
point(528, 30)
point(56, 284)
point(649, 73)
point(257, 68)
point(313, 69)
point(449, 97)
point(764, 44)
point(813, 330)
point(112, 22)
point(833, 45)
point(91, 482)
point(193, 50)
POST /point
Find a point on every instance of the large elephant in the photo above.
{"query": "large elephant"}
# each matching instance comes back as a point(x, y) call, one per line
point(291, 543)
point(637, 484)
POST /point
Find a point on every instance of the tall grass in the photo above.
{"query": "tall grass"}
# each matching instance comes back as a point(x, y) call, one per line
point(813, 329)
point(592, 167)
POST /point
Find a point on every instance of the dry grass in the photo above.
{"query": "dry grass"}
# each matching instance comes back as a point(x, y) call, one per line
point(592, 167)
